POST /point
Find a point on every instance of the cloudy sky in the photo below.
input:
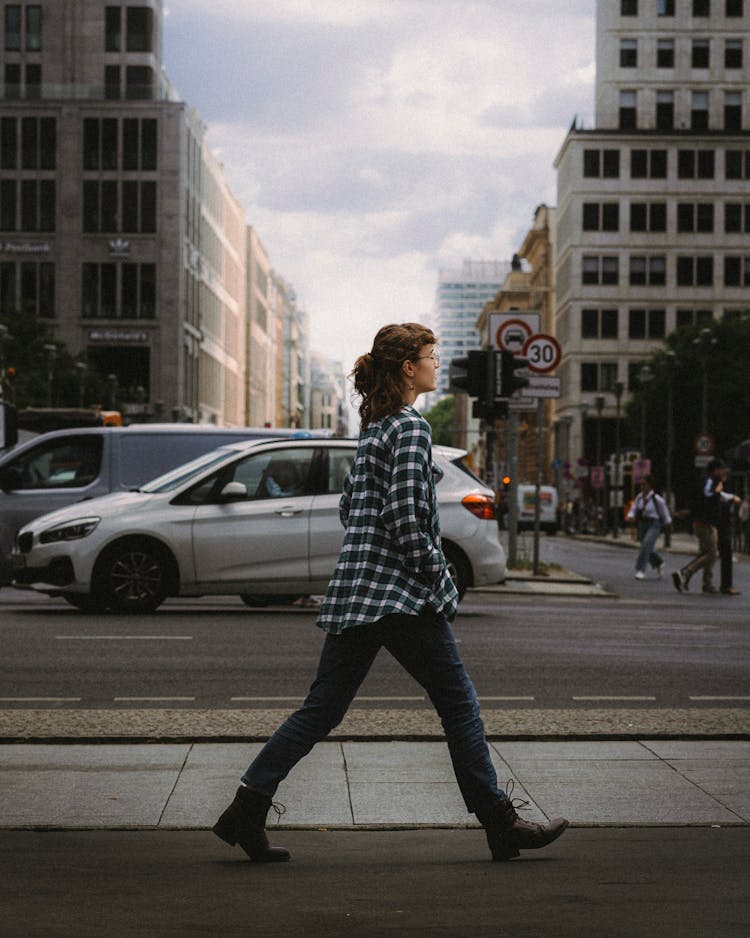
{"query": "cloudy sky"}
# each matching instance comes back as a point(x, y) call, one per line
point(373, 142)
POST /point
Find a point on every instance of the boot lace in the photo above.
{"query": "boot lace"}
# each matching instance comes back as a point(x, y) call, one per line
point(519, 804)
point(279, 808)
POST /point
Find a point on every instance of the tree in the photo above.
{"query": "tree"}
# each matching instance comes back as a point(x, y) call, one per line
point(440, 419)
point(727, 397)
point(25, 352)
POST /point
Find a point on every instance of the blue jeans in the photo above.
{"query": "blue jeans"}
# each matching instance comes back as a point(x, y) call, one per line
point(425, 647)
point(648, 534)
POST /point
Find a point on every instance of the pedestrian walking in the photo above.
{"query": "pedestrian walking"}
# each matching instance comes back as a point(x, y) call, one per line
point(706, 513)
point(651, 514)
point(391, 589)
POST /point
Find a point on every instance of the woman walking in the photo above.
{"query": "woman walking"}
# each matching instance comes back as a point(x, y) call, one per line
point(650, 512)
point(391, 588)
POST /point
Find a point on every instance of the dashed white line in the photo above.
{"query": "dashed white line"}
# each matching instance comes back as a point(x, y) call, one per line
point(151, 699)
point(725, 697)
point(40, 699)
point(506, 698)
point(612, 697)
point(125, 638)
point(272, 699)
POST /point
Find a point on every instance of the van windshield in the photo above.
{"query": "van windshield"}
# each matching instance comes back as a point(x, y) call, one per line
point(186, 473)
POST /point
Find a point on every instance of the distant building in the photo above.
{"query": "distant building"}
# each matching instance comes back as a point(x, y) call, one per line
point(460, 296)
point(116, 222)
point(327, 395)
point(653, 203)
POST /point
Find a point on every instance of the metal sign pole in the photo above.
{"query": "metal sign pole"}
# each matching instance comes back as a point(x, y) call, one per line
point(511, 430)
point(538, 493)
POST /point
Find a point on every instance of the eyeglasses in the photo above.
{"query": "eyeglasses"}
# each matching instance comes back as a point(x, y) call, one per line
point(435, 356)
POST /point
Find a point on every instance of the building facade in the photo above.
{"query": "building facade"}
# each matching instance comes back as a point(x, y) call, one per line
point(117, 226)
point(653, 203)
point(460, 297)
point(327, 390)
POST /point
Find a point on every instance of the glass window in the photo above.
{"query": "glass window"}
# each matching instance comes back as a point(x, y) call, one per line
point(29, 289)
point(628, 7)
point(28, 205)
point(90, 290)
point(664, 110)
point(701, 7)
point(732, 110)
point(589, 376)
point(109, 143)
point(91, 143)
point(609, 323)
point(112, 82)
point(733, 53)
point(130, 143)
point(148, 144)
point(130, 206)
point(109, 206)
point(665, 53)
point(591, 162)
point(637, 271)
point(610, 270)
point(33, 28)
point(90, 206)
point(734, 8)
point(590, 269)
point(611, 164)
point(637, 324)
point(638, 216)
point(129, 304)
point(148, 207)
point(108, 296)
point(140, 28)
point(148, 291)
point(33, 82)
point(7, 287)
point(29, 143)
point(628, 53)
point(8, 143)
point(47, 290)
point(139, 80)
point(628, 114)
point(48, 142)
point(665, 7)
point(12, 81)
point(113, 29)
point(589, 323)
point(70, 463)
point(13, 27)
point(700, 56)
point(590, 216)
point(8, 206)
point(699, 110)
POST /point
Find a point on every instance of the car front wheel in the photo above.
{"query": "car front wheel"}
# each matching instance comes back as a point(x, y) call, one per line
point(133, 576)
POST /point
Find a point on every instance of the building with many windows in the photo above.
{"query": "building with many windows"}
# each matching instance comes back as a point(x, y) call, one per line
point(654, 202)
point(459, 300)
point(116, 222)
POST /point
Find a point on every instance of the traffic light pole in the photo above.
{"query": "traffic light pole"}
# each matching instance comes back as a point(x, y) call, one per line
point(537, 499)
point(511, 443)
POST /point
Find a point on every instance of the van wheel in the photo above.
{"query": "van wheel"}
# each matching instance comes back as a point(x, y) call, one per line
point(459, 568)
point(133, 576)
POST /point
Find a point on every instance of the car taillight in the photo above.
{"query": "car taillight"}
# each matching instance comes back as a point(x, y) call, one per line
point(483, 506)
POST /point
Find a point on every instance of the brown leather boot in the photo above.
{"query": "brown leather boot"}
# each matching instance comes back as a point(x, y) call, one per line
point(244, 823)
point(507, 833)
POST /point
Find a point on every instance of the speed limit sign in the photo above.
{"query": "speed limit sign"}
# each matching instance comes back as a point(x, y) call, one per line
point(542, 353)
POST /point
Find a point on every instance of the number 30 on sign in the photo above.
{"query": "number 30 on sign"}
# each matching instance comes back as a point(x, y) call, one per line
point(542, 353)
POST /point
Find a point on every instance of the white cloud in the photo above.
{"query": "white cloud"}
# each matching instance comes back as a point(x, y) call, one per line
point(374, 141)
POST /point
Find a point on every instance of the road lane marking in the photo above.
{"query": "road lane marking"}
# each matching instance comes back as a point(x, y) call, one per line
point(388, 698)
point(145, 699)
point(40, 699)
point(506, 698)
point(125, 638)
point(612, 697)
point(726, 697)
point(257, 699)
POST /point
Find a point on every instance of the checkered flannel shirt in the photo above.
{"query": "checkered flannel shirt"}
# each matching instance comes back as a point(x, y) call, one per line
point(391, 560)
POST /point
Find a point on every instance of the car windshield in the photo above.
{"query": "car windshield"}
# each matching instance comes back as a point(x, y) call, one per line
point(185, 473)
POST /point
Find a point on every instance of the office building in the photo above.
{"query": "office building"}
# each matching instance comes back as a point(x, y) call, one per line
point(117, 226)
point(653, 202)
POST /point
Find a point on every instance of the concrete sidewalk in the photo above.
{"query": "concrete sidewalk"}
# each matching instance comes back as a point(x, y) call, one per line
point(350, 785)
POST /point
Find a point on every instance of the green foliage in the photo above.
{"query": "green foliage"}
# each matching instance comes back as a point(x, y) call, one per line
point(728, 398)
point(24, 351)
point(440, 419)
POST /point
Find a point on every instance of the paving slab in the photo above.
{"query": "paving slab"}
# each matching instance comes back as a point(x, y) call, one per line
point(87, 786)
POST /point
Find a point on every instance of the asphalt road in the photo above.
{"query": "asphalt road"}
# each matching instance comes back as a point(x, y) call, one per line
point(651, 883)
point(650, 647)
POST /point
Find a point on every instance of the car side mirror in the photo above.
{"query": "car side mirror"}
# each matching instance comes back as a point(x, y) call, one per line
point(233, 491)
point(10, 479)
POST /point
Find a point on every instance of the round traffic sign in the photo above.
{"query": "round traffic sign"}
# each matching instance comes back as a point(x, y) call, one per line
point(542, 353)
point(512, 335)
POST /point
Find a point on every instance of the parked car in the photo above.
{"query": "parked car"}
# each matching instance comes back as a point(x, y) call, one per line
point(257, 519)
point(65, 466)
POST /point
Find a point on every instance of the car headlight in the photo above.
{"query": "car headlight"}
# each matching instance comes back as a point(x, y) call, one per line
point(70, 531)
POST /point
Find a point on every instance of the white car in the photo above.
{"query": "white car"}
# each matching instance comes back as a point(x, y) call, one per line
point(259, 520)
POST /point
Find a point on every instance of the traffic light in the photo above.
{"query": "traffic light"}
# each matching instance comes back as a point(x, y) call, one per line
point(468, 375)
point(510, 382)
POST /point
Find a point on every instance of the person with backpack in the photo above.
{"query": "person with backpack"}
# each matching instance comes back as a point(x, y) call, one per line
point(650, 512)
point(706, 522)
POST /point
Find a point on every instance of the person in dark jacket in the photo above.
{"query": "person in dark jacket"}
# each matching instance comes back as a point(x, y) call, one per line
point(706, 527)
point(391, 589)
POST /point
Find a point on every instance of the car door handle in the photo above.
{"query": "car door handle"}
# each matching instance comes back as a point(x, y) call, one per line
point(288, 511)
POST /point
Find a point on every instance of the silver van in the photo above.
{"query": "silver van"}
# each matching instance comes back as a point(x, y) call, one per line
point(55, 469)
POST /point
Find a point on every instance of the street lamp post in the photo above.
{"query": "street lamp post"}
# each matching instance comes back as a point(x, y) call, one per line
point(599, 403)
point(645, 376)
point(671, 361)
point(619, 388)
point(51, 351)
point(112, 386)
point(704, 342)
point(82, 368)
